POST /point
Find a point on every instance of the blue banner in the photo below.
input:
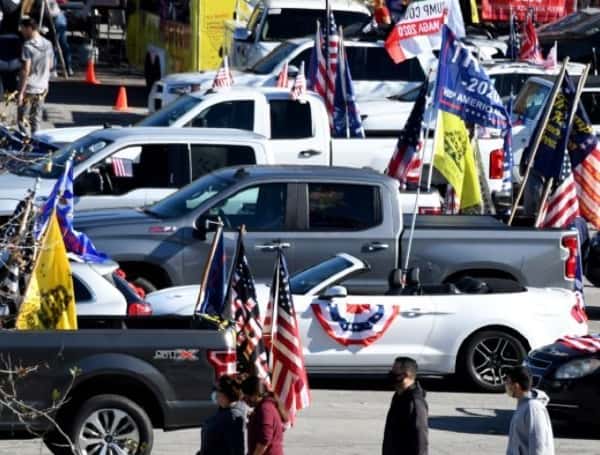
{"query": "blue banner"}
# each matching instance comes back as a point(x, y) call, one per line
point(464, 89)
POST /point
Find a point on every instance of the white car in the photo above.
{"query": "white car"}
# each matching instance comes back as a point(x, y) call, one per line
point(478, 329)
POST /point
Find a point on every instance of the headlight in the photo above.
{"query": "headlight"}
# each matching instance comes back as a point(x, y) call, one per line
point(577, 368)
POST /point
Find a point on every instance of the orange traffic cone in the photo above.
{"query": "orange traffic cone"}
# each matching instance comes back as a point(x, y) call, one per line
point(121, 103)
point(90, 73)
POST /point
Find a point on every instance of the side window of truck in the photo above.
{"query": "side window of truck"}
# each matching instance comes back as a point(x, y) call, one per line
point(290, 119)
point(205, 158)
point(229, 114)
point(82, 293)
point(333, 207)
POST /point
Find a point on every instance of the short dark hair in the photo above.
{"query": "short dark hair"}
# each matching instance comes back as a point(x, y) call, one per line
point(519, 375)
point(253, 385)
point(229, 387)
point(28, 21)
point(408, 364)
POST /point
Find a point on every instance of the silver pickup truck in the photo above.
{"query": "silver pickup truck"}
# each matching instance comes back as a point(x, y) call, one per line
point(321, 211)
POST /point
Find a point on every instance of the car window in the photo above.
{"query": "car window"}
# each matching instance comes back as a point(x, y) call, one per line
point(205, 158)
point(509, 83)
point(304, 281)
point(172, 111)
point(334, 207)
point(82, 293)
point(375, 64)
point(530, 100)
point(259, 208)
point(591, 103)
point(290, 119)
point(303, 56)
point(254, 20)
point(269, 62)
point(229, 114)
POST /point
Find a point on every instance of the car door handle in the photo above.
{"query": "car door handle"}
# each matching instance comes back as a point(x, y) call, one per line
point(309, 153)
point(272, 246)
point(376, 246)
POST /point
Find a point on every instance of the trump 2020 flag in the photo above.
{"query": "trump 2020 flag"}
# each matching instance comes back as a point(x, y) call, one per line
point(213, 286)
point(49, 301)
point(346, 117)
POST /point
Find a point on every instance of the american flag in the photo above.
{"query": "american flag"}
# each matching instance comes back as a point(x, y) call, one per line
point(530, 46)
point(282, 79)
point(509, 159)
point(289, 379)
point(326, 65)
point(405, 164)
point(584, 150)
point(586, 343)
point(122, 167)
point(251, 352)
point(562, 206)
point(299, 87)
point(346, 115)
point(223, 78)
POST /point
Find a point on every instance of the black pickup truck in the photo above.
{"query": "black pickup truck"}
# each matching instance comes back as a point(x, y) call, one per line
point(126, 383)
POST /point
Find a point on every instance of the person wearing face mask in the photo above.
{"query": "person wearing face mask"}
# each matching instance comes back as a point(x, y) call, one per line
point(530, 427)
point(406, 425)
point(225, 432)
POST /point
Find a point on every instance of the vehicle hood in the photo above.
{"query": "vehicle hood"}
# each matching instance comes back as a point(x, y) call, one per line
point(14, 189)
point(114, 218)
point(62, 136)
point(180, 300)
point(206, 77)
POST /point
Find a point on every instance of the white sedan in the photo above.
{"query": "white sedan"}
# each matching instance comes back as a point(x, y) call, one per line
point(475, 329)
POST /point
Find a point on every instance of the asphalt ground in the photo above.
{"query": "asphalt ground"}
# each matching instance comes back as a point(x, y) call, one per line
point(346, 417)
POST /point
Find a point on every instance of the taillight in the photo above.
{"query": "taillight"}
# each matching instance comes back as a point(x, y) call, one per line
point(570, 243)
point(430, 210)
point(496, 164)
point(578, 313)
point(224, 362)
point(139, 309)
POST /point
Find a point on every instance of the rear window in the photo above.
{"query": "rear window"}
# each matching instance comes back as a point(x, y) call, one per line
point(375, 64)
point(290, 119)
point(530, 100)
point(205, 158)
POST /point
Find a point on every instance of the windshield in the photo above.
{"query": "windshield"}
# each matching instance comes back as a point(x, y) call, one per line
point(530, 100)
point(269, 62)
point(283, 24)
point(83, 148)
point(304, 281)
point(191, 196)
point(171, 112)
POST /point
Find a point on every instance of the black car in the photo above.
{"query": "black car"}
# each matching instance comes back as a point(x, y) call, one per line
point(569, 372)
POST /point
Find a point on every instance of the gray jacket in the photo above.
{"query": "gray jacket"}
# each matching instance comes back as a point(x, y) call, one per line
point(530, 427)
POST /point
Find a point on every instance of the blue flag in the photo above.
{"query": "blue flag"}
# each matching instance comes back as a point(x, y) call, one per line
point(346, 117)
point(464, 89)
point(509, 160)
point(213, 301)
point(61, 198)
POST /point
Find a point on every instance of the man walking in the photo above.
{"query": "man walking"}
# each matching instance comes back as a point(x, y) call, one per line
point(530, 428)
point(37, 60)
point(406, 426)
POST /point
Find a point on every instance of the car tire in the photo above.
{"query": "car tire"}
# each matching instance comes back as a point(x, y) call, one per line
point(487, 355)
point(118, 420)
point(145, 284)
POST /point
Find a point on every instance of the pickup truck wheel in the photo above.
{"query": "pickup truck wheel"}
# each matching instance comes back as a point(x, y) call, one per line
point(111, 424)
point(488, 354)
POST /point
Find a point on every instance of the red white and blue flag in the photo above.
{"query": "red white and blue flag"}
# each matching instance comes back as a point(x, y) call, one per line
point(223, 78)
point(530, 45)
point(122, 167)
point(586, 343)
point(405, 164)
point(282, 79)
point(355, 324)
point(299, 87)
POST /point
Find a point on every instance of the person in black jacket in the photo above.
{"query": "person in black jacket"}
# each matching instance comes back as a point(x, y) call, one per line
point(406, 426)
point(224, 433)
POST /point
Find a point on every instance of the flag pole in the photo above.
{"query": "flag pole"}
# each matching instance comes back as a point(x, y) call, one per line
point(342, 71)
point(209, 259)
point(274, 306)
point(538, 137)
point(576, 98)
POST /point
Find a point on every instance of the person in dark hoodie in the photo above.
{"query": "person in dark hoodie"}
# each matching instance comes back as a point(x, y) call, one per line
point(406, 425)
point(225, 432)
point(530, 427)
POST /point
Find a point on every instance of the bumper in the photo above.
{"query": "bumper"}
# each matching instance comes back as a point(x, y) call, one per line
point(578, 399)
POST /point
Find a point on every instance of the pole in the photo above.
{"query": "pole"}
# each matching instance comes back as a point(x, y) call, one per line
point(61, 57)
point(538, 137)
point(342, 71)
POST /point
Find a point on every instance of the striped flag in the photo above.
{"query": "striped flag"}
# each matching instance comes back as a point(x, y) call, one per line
point(251, 352)
point(122, 167)
point(299, 87)
point(586, 343)
point(326, 65)
point(282, 79)
point(562, 206)
point(223, 78)
point(530, 46)
point(289, 379)
point(405, 163)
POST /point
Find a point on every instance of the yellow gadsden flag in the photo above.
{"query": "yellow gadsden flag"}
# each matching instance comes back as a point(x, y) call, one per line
point(454, 159)
point(49, 301)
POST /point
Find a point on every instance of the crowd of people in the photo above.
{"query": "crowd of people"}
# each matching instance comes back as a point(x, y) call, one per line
point(251, 420)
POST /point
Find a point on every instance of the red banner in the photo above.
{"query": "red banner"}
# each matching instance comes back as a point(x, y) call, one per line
point(545, 10)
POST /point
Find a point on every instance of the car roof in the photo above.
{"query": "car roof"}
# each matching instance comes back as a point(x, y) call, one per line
point(348, 42)
point(498, 66)
point(343, 5)
point(175, 134)
point(271, 92)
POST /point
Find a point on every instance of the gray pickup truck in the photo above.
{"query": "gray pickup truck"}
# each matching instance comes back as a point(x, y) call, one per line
point(320, 212)
point(129, 381)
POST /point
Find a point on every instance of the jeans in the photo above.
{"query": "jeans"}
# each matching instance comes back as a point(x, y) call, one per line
point(60, 24)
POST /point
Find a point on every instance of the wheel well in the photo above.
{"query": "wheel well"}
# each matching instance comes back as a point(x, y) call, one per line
point(125, 386)
point(155, 274)
point(501, 328)
point(480, 273)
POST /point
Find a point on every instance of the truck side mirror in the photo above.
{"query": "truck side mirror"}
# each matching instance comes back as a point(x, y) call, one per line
point(334, 292)
point(241, 34)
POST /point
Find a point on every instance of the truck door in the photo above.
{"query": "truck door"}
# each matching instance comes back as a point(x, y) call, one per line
point(296, 135)
point(348, 218)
